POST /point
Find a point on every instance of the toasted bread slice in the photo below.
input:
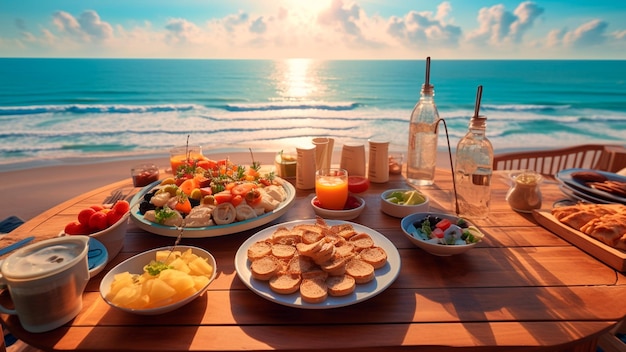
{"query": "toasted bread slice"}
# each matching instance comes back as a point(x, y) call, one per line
point(283, 251)
point(299, 264)
point(259, 250)
point(344, 248)
point(309, 236)
point(285, 283)
point(284, 235)
point(325, 253)
point(361, 271)
point(361, 241)
point(343, 230)
point(264, 268)
point(335, 266)
point(375, 256)
point(309, 249)
point(313, 290)
point(341, 285)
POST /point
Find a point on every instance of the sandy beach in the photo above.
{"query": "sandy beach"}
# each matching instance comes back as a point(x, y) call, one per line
point(29, 192)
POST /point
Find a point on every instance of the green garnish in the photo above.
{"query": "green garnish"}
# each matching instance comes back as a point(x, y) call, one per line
point(161, 215)
point(155, 268)
point(426, 228)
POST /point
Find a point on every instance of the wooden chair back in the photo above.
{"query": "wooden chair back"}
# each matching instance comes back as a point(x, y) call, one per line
point(610, 158)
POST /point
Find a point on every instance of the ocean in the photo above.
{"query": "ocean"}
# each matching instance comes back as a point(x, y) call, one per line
point(55, 110)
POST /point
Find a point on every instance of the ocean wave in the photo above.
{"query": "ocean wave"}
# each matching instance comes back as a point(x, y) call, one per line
point(91, 109)
point(525, 107)
point(339, 106)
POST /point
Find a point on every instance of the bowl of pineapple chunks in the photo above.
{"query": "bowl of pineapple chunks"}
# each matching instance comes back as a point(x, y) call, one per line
point(157, 282)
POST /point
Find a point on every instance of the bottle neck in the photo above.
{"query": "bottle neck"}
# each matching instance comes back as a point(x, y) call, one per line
point(477, 125)
point(427, 92)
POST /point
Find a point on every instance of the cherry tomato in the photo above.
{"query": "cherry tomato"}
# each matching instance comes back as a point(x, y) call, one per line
point(358, 184)
point(223, 197)
point(443, 224)
point(236, 200)
point(242, 189)
point(253, 197)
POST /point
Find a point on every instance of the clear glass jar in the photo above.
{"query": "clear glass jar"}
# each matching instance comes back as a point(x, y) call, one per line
point(473, 170)
point(423, 132)
point(525, 193)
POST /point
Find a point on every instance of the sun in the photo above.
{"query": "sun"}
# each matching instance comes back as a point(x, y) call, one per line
point(311, 7)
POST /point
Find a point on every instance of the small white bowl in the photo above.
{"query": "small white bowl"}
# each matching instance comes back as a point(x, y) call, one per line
point(348, 214)
point(135, 264)
point(113, 236)
point(433, 248)
point(399, 210)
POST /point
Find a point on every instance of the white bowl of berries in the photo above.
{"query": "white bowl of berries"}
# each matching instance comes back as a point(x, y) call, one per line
point(353, 208)
point(107, 225)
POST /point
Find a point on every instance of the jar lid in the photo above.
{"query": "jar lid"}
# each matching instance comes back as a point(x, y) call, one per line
point(45, 258)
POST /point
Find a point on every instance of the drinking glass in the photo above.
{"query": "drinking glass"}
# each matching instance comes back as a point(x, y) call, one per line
point(331, 188)
point(184, 155)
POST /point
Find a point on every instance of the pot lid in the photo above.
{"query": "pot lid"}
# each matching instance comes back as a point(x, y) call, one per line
point(45, 258)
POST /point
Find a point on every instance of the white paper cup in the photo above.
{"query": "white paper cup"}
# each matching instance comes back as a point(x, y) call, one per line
point(353, 159)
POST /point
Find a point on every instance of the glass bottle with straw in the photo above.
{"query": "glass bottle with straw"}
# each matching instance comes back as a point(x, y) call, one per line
point(473, 168)
point(422, 150)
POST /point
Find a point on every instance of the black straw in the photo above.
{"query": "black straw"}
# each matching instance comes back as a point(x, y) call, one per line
point(427, 80)
point(479, 95)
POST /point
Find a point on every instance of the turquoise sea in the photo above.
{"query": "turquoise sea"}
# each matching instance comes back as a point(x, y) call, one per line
point(54, 110)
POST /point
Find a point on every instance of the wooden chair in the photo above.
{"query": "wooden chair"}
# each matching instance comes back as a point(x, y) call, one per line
point(611, 158)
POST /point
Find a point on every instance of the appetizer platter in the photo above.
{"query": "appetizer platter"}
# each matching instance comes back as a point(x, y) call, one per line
point(598, 229)
point(367, 286)
point(218, 199)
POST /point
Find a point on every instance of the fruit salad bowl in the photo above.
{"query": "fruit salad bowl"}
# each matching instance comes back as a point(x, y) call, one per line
point(448, 235)
point(157, 282)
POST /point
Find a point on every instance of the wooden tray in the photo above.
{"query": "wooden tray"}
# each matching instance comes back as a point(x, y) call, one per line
point(610, 256)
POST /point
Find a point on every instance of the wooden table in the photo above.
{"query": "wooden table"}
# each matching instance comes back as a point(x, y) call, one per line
point(522, 288)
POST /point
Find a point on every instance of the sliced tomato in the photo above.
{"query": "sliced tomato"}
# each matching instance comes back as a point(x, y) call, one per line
point(242, 189)
point(443, 224)
point(358, 184)
point(223, 197)
point(236, 200)
point(253, 197)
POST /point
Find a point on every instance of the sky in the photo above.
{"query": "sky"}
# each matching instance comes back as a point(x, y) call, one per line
point(318, 29)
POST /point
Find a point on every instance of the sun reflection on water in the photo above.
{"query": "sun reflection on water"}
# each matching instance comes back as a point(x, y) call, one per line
point(298, 80)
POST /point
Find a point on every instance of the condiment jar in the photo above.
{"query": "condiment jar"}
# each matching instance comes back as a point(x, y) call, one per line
point(524, 194)
point(46, 281)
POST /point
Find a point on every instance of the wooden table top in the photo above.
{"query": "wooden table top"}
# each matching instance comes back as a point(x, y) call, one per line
point(522, 288)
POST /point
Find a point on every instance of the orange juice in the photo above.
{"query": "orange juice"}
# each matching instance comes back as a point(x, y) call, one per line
point(331, 188)
point(178, 156)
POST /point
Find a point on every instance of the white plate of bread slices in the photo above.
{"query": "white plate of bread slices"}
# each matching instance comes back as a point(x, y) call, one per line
point(317, 263)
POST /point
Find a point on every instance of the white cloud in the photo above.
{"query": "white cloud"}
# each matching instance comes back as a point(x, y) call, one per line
point(88, 27)
point(589, 34)
point(340, 29)
point(497, 26)
point(418, 29)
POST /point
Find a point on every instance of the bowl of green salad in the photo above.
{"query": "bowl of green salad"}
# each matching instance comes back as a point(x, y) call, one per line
point(401, 202)
point(441, 234)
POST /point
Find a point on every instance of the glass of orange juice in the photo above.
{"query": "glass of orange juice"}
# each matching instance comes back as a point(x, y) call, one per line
point(331, 188)
point(185, 154)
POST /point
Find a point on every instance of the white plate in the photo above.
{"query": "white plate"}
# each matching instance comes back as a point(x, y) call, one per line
point(208, 231)
point(385, 276)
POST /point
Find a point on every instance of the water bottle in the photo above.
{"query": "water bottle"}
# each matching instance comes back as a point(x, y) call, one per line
point(473, 170)
point(422, 151)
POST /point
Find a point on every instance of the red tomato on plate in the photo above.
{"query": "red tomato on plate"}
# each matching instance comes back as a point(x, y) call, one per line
point(358, 184)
